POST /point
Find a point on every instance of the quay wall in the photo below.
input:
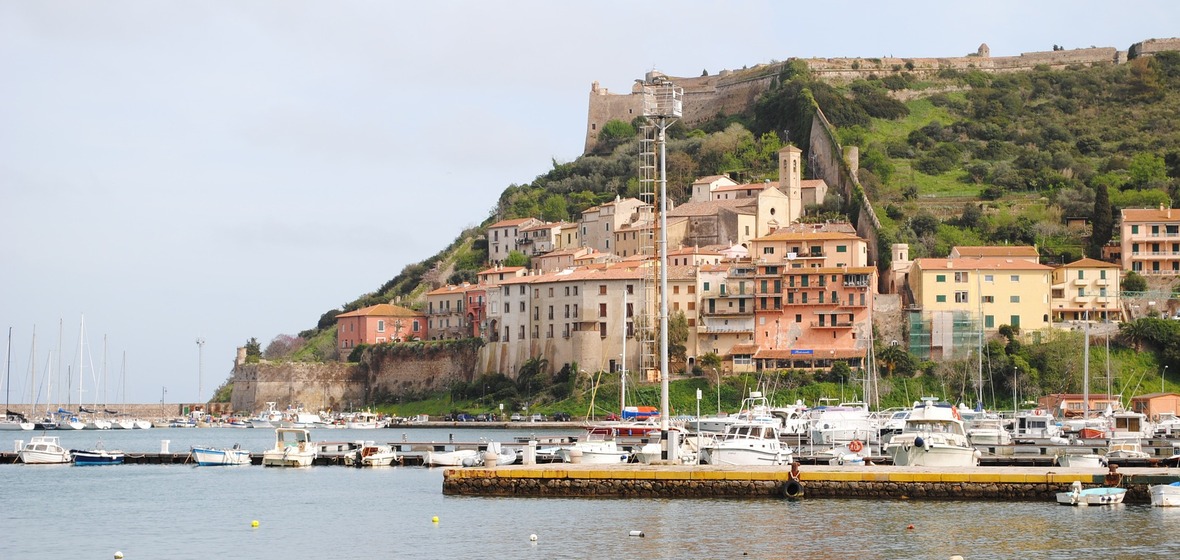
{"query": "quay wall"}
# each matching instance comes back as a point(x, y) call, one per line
point(381, 376)
point(704, 482)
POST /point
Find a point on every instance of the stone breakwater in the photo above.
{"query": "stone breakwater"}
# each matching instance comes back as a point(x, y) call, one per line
point(630, 481)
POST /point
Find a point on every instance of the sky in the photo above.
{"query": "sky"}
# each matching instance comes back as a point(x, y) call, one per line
point(233, 169)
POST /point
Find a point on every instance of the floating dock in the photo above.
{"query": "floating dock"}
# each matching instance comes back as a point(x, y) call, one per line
point(874, 482)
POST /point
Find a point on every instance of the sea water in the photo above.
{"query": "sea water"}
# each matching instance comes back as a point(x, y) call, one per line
point(182, 511)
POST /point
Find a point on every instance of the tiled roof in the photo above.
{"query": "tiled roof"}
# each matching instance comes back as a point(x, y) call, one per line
point(787, 235)
point(996, 251)
point(1150, 215)
point(817, 354)
point(510, 223)
point(506, 269)
point(710, 179)
point(712, 207)
point(980, 263)
point(1089, 263)
point(452, 289)
point(381, 310)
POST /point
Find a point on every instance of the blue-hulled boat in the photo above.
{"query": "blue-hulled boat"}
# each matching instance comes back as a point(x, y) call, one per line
point(100, 456)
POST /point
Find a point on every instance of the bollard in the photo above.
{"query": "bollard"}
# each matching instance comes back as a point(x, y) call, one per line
point(164, 446)
point(530, 454)
point(490, 458)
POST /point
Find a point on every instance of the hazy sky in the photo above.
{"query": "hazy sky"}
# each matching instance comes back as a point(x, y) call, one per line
point(233, 169)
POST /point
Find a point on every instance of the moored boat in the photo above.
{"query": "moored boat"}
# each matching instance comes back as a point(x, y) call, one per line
point(96, 456)
point(747, 443)
point(456, 458)
point(598, 448)
point(1102, 496)
point(292, 449)
point(933, 437)
point(371, 455)
point(1165, 495)
point(1080, 461)
point(44, 450)
point(216, 456)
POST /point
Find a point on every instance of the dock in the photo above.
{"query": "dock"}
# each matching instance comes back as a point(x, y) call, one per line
point(869, 482)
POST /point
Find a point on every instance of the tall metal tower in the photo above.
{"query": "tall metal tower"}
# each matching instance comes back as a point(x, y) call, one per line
point(663, 103)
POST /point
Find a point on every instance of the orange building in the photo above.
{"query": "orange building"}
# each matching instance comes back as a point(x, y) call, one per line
point(379, 323)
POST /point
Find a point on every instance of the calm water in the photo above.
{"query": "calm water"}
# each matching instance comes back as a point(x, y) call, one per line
point(181, 511)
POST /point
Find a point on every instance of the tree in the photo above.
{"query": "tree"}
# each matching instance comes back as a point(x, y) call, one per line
point(282, 346)
point(1134, 282)
point(516, 258)
point(253, 351)
point(1102, 224)
point(677, 334)
point(1147, 169)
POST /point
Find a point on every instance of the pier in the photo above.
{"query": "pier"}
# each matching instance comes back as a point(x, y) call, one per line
point(873, 482)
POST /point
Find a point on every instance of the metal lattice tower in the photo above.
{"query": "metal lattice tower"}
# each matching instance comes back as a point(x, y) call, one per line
point(648, 307)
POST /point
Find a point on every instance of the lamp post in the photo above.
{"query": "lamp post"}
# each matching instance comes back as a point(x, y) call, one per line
point(200, 366)
point(1162, 377)
point(1015, 402)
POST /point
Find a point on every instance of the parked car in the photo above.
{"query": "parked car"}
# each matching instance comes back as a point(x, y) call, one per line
point(538, 418)
point(481, 417)
point(516, 418)
point(464, 417)
point(561, 417)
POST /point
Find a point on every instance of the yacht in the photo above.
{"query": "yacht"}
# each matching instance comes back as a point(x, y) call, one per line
point(597, 448)
point(1036, 424)
point(933, 436)
point(747, 443)
point(842, 423)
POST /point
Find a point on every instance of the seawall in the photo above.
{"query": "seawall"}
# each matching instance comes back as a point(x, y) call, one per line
point(877, 482)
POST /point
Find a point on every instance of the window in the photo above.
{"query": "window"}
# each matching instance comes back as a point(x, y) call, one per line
point(536, 313)
point(630, 289)
point(522, 332)
point(706, 286)
point(940, 278)
point(416, 326)
point(989, 321)
point(768, 250)
point(940, 298)
point(961, 297)
point(537, 292)
point(575, 290)
point(989, 299)
point(798, 318)
point(522, 292)
point(989, 278)
point(1013, 299)
point(507, 334)
point(506, 309)
point(567, 290)
point(1081, 275)
point(575, 311)
point(841, 248)
point(602, 310)
point(522, 307)
point(380, 326)
point(1014, 278)
point(675, 290)
point(960, 277)
point(631, 309)
point(1014, 321)
point(692, 288)
point(550, 318)
point(1102, 274)
point(567, 311)
point(550, 292)
point(1134, 229)
point(549, 334)
point(1081, 292)
point(602, 289)
point(602, 330)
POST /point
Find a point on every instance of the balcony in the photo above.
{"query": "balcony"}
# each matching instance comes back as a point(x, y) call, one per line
point(830, 325)
point(726, 329)
point(727, 312)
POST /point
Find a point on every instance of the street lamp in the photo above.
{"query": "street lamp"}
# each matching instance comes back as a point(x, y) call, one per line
point(200, 366)
point(1162, 377)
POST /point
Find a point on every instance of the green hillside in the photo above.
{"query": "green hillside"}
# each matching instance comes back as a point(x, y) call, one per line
point(966, 158)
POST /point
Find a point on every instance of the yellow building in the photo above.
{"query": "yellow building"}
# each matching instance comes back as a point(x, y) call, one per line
point(1001, 291)
point(812, 246)
point(1086, 288)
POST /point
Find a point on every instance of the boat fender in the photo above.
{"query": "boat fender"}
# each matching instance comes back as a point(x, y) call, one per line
point(919, 442)
point(793, 490)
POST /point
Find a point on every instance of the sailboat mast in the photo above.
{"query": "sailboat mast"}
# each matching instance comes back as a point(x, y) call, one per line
point(623, 369)
point(8, 374)
point(1086, 372)
point(60, 339)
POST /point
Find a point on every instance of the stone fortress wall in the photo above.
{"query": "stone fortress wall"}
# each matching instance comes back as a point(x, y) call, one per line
point(729, 92)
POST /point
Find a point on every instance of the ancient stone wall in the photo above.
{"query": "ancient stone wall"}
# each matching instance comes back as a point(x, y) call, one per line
point(1152, 46)
point(338, 386)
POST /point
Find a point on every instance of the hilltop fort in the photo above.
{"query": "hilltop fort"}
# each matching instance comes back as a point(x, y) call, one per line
point(735, 91)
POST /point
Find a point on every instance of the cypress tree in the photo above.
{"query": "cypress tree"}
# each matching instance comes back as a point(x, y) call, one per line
point(1102, 223)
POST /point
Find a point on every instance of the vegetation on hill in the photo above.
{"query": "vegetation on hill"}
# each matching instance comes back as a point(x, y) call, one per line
point(966, 158)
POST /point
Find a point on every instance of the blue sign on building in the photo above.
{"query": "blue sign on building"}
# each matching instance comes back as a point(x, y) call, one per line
point(801, 351)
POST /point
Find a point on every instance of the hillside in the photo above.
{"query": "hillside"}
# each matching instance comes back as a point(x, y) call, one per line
point(961, 157)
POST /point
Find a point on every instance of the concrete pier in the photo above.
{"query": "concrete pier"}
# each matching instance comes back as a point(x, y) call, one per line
point(877, 482)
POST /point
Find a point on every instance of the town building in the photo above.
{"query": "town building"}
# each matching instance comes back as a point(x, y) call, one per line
point(377, 324)
point(539, 239)
point(1023, 252)
point(446, 311)
point(599, 223)
point(1150, 240)
point(1086, 289)
point(504, 235)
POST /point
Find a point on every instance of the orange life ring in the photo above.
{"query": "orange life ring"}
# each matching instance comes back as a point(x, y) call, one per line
point(1038, 412)
point(856, 446)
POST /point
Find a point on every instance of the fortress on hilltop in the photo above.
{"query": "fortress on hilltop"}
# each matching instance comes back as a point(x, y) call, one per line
point(735, 91)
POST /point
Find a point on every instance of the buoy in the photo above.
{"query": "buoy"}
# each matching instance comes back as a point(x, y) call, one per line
point(533, 537)
point(254, 523)
point(909, 527)
point(434, 519)
point(636, 534)
point(118, 555)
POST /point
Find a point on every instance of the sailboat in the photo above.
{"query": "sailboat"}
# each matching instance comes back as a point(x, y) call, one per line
point(12, 420)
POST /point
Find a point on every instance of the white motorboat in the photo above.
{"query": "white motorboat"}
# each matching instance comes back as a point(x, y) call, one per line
point(1101, 496)
point(1080, 461)
point(269, 418)
point(216, 456)
point(371, 455)
point(985, 428)
point(292, 449)
point(1166, 423)
point(1165, 495)
point(1036, 424)
point(43, 450)
point(597, 448)
point(504, 455)
point(362, 421)
point(747, 443)
point(933, 436)
point(1126, 448)
point(456, 458)
point(842, 423)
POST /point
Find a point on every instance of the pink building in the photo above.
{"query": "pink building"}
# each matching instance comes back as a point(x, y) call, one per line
point(377, 324)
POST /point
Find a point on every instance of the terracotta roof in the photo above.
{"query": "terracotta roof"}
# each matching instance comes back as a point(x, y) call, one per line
point(996, 251)
point(451, 289)
point(495, 270)
point(510, 223)
point(544, 225)
point(828, 227)
point(712, 207)
point(710, 179)
point(1089, 263)
point(381, 310)
point(812, 183)
point(1150, 215)
point(693, 251)
point(743, 349)
point(784, 234)
point(978, 263)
